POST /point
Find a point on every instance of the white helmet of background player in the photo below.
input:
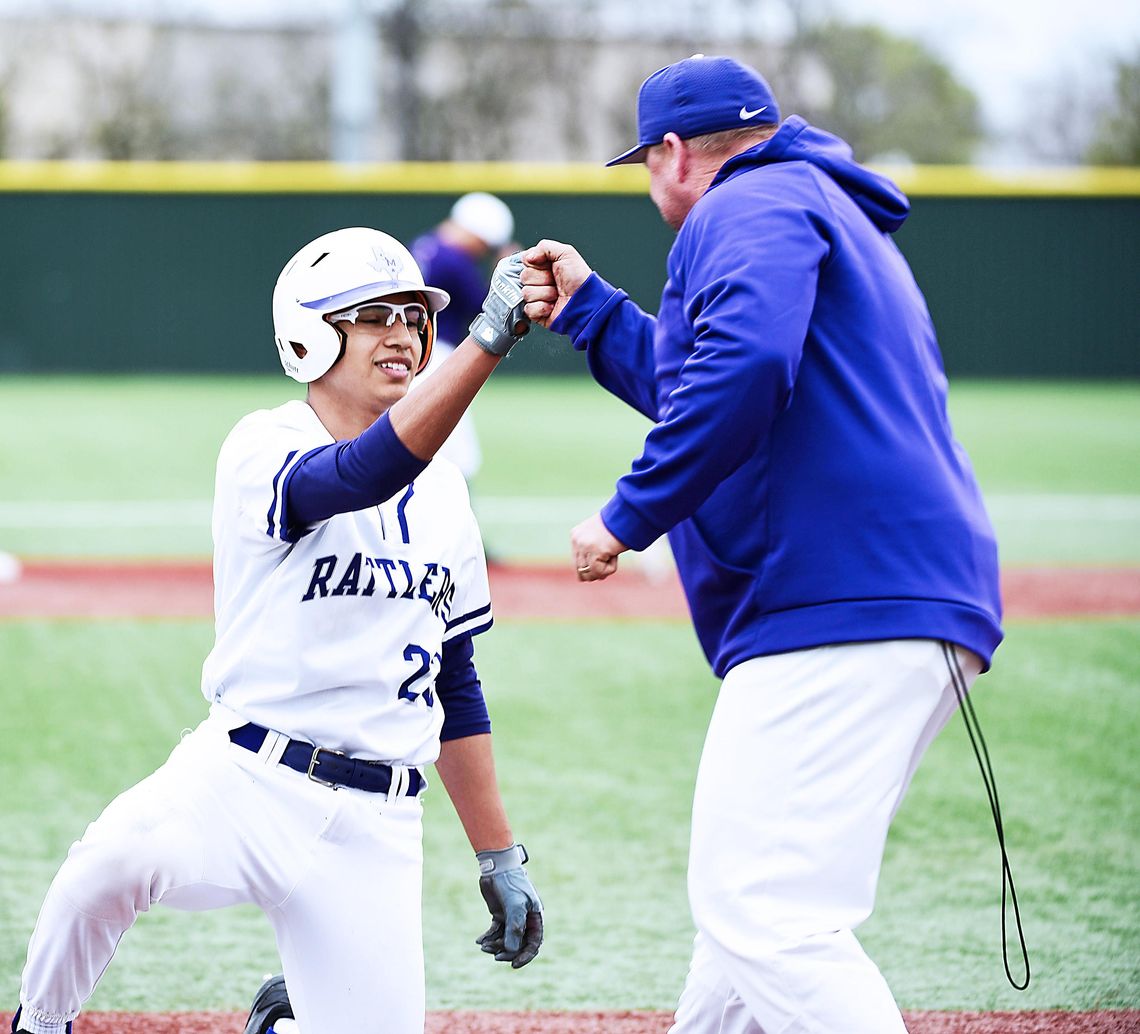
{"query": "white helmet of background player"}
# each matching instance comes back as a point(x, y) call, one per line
point(339, 271)
point(485, 216)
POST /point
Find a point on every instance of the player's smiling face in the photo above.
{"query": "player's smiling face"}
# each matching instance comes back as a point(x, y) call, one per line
point(381, 354)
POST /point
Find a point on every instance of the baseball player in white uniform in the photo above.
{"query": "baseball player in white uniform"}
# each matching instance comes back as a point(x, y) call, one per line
point(349, 582)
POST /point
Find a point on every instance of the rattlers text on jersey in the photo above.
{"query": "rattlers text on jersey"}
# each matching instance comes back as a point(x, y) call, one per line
point(361, 603)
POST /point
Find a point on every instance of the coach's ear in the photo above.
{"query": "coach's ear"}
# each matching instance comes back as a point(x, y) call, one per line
point(678, 158)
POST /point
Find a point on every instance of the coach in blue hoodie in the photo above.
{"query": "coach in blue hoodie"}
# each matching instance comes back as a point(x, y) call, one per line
point(829, 533)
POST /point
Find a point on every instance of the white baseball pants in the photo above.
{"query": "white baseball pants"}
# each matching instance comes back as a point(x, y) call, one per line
point(807, 758)
point(338, 873)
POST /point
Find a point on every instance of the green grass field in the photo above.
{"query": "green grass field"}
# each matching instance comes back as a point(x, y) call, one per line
point(113, 467)
point(599, 723)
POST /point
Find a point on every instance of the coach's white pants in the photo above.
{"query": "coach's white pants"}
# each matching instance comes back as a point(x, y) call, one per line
point(337, 872)
point(807, 758)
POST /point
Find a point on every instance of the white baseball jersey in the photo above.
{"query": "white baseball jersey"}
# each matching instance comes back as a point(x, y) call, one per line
point(337, 638)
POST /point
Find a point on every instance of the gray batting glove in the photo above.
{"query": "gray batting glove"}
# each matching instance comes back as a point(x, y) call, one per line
point(502, 322)
point(515, 933)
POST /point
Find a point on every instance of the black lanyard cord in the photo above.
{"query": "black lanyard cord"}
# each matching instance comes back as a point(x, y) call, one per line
point(978, 742)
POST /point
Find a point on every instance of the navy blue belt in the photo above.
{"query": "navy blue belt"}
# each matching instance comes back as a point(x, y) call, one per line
point(329, 767)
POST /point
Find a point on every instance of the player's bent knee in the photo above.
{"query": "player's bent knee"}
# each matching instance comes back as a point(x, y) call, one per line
point(105, 882)
point(115, 878)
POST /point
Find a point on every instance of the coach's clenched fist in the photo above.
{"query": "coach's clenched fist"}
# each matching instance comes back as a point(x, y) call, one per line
point(595, 549)
point(552, 272)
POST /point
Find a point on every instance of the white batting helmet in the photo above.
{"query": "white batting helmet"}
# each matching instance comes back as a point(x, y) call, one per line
point(336, 272)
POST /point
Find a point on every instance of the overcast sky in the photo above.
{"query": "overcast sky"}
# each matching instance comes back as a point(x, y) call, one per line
point(1008, 51)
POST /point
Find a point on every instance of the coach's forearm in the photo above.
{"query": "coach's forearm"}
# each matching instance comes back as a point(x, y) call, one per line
point(467, 768)
point(425, 417)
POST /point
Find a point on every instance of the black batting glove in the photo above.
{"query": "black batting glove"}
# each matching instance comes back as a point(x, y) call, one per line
point(515, 933)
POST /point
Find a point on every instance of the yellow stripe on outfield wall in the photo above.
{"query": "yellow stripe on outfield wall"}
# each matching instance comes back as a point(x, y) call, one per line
point(319, 177)
point(505, 178)
point(968, 181)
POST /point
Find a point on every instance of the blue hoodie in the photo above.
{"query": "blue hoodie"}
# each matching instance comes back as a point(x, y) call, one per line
point(802, 460)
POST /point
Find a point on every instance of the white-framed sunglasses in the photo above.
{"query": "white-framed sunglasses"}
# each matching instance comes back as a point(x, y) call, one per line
point(413, 315)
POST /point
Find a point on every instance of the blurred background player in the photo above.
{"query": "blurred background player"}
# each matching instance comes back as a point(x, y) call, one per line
point(455, 256)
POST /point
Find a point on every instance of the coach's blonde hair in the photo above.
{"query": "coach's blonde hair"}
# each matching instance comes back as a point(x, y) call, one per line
point(734, 140)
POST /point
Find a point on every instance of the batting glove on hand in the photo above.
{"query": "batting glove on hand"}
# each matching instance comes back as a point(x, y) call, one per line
point(502, 322)
point(515, 933)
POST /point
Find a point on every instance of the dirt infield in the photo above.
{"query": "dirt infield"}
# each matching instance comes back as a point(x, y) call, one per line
point(171, 589)
point(619, 1023)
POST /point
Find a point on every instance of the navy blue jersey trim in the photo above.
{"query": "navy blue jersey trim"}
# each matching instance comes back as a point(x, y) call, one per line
point(272, 527)
point(468, 617)
point(477, 630)
point(401, 506)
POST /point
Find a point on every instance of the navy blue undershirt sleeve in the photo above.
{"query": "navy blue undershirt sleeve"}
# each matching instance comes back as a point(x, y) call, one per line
point(460, 693)
point(347, 476)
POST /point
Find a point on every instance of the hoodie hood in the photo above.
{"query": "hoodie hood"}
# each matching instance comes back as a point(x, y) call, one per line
point(797, 141)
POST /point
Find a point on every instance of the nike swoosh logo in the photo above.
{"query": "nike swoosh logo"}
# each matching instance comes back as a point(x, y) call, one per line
point(745, 114)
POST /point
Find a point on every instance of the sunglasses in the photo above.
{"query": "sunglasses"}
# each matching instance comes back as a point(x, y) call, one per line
point(413, 315)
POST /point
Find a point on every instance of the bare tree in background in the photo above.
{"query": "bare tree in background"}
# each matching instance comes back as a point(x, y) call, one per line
point(179, 92)
point(282, 115)
point(1087, 119)
point(1116, 139)
point(471, 121)
point(505, 65)
point(403, 33)
point(11, 61)
point(127, 106)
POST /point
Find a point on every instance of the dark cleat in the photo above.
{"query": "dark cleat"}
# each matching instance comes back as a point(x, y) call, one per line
point(270, 1003)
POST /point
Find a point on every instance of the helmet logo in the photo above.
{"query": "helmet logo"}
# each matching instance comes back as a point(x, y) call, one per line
point(382, 262)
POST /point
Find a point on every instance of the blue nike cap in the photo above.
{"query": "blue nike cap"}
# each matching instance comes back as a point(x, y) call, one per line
point(696, 96)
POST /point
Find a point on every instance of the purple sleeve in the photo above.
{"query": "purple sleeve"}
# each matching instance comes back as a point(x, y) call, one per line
point(617, 338)
point(347, 476)
point(749, 313)
point(460, 693)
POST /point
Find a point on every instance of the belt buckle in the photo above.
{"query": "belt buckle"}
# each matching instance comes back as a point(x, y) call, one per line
point(316, 761)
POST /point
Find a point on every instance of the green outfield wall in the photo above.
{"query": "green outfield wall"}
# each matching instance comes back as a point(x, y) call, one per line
point(170, 266)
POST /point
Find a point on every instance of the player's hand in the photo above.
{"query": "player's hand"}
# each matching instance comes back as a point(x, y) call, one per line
point(498, 328)
point(595, 550)
point(515, 933)
point(552, 272)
